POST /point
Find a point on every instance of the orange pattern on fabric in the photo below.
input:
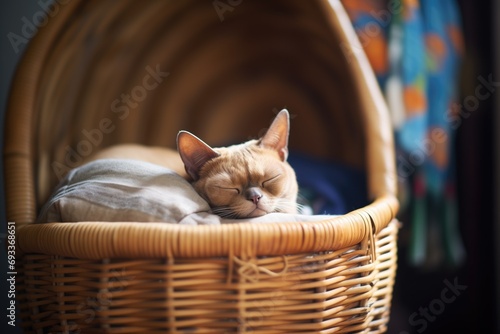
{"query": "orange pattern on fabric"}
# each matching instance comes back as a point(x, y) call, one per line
point(409, 8)
point(456, 39)
point(439, 155)
point(415, 100)
point(376, 51)
point(436, 46)
point(360, 6)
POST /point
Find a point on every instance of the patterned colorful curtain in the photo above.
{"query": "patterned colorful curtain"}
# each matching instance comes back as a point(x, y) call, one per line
point(415, 48)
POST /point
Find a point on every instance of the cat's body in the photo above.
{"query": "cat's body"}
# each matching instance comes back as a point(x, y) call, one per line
point(157, 155)
point(245, 180)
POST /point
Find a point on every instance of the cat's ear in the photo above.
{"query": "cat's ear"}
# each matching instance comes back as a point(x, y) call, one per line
point(194, 153)
point(276, 137)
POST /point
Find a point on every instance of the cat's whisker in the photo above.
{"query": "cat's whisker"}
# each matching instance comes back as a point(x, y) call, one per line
point(284, 205)
point(300, 206)
point(233, 212)
point(224, 212)
point(240, 209)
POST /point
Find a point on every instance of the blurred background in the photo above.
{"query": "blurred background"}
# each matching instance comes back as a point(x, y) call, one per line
point(435, 63)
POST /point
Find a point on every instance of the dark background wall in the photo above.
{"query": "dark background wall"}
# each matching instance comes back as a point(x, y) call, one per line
point(476, 309)
point(13, 15)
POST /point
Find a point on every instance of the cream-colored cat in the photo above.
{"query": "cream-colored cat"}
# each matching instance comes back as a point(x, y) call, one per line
point(246, 180)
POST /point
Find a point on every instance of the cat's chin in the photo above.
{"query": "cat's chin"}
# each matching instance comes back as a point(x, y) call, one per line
point(257, 212)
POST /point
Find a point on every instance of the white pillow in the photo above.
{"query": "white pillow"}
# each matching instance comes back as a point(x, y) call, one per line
point(131, 190)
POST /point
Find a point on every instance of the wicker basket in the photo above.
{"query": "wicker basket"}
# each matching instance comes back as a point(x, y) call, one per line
point(218, 69)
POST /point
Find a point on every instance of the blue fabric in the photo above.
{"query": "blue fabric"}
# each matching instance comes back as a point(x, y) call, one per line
point(329, 187)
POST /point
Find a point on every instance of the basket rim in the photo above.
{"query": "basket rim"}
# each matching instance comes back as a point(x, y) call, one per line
point(97, 240)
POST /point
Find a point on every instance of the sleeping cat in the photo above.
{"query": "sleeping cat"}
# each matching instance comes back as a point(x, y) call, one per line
point(246, 180)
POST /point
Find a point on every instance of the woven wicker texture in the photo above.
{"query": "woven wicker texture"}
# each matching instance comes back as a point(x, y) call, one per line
point(342, 290)
point(106, 72)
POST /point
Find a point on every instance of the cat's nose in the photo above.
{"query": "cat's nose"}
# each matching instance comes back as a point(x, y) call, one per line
point(254, 194)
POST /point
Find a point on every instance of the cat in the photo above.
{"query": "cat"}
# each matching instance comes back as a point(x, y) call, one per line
point(246, 180)
point(240, 181)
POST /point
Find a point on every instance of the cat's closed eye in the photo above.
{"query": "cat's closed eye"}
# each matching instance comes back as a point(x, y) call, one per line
point(237, 191)
point(273, 185)
point(270, 181)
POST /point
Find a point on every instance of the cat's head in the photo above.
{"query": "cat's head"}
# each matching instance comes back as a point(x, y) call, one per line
point(245, 180)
